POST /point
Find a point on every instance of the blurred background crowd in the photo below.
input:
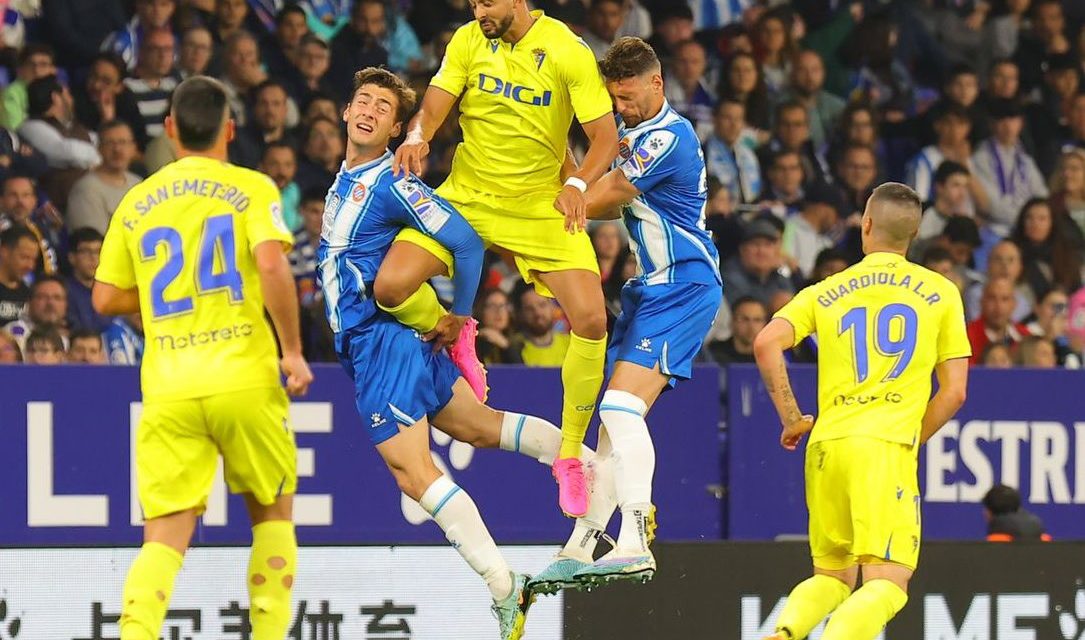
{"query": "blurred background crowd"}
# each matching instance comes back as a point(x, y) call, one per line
point(802, 107)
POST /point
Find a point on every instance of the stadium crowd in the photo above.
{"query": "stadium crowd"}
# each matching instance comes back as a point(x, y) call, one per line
point(803, 107)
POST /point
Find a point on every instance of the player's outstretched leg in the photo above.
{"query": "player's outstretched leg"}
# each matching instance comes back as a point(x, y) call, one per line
point(811, 600)
point(149, 584)
point(408, 457)
point(581, 297)
point(866, 612)
point(272, 566)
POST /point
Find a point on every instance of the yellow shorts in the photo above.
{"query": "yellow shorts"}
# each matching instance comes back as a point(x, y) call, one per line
point(178, 444)
point(528, 227)
point(863, 497)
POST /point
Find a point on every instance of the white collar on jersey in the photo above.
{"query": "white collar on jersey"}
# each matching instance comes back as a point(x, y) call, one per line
point(365, 166)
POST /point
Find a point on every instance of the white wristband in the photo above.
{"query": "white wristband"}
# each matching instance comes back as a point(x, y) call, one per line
point(577, 183)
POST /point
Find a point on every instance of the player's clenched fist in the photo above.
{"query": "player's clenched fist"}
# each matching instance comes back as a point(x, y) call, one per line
point(298, 375)
point(409, 156)
point(794, 432)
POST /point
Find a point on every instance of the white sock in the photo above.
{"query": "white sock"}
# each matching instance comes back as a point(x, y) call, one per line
point(455, 512)
point(634, 463)
point(590, 528)
point(533, 437)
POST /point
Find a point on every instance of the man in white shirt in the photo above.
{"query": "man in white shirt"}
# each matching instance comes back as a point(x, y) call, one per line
point(604, 20)
point(1008, 174)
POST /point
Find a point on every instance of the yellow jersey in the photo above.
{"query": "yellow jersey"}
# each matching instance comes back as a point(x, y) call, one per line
point(518, 101)
point(881, 327)
point(184, 237)
point(551, 355)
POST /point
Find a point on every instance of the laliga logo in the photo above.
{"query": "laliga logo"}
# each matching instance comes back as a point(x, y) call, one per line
point(459, 455)
point(523, 95)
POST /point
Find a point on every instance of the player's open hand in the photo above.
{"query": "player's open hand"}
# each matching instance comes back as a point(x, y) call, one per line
point(794, 432)
point(446, 332)
point(572, 204)
point(298, 375)
point(409, 156)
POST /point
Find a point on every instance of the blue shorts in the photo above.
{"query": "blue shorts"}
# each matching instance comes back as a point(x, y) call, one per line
point(398, 378)
point(665, 325)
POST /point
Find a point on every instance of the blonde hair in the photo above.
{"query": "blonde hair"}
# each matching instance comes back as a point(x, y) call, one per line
point(1056, 184)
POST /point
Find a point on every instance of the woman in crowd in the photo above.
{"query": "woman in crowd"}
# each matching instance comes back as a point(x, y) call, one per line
point(1068, 187)
point(1051, 248)
point(496, 342)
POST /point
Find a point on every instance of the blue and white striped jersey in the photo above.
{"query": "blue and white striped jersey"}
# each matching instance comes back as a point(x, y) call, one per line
point(662, 158)
point(364, 210)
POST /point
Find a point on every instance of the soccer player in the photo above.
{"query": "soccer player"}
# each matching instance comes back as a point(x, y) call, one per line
point(882, 326)
point(520, 77)
point(659, 189)
point(199, 251)
point(402, 384)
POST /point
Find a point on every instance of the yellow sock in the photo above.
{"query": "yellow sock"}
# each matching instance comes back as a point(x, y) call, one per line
point(147, 591)
point(808, 604)
point(271, 577)
point(581, 377)
point(420, 311)
point(866, 612)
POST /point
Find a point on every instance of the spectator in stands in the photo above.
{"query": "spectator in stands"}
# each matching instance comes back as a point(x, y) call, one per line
point(858, 175)
point(1008, 174)
point(1003, 81)
point(960, 238)
point(150, 15)
point(105, 98)
point(823, 109)
point(686, 89)
point(995, 323)
point(882, 80)
point(607, 240)
point(1051, 248)
point(604, 20)
point(230, 18)
point(196, 49)
point(124, 340)
point(951, 126)
point(19, 158)
point(673, 23)
point(1007, 521)
point(44, 345)
point(1048, 119)
point(961, 92)
point(1047, 37)
point(354, 48)
point(496, 343)
point(543, 346)
point(784, 192)
point(310, 75)
point(306, 240)
point(748, 316)
point(154, 80)
point(35, 61)
point(47, 308)
point(806, 235)
point(997, 356)
point(241, 72)
point(320, 105)
point(280, 163)
point(389, 29)
point(951, 181)
point(791, 132)
point(829, 262)
point(321, 155)
point(728, 159)
point(18, 201)
point(432, 18)
point(571, 12)
point(19, 250)
point(96, 195)
point(939, 260)
point(742, 81)
point(1076, 124)
point(1068, 187)
point(268, 123)
point(1050, 320)
point(759, 269)
point(281, 49)
point(1004, 262)
point(85, 248)
point(86, 347)
point(77, 27)
point(858, 125)
point(1002, 32)
point(10, 353)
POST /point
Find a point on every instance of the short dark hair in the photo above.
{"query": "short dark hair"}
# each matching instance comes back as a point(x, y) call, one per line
point(948, 169)
point(49, 335)
point(12, 177)
point(827, 255)
point(41, 281)
point(13, 235)
point(39, 95)
point(313, 194)
point(268, 84)
point(278, 144)
point(595, 4)
point(898, 194)
point(787, 105)
point(1001, 499)
point(113, 60)
point(110, 125)
point(628, 57)
point(405, 96)
point(782, 153)
point(951, 110)
point(291, 7)
point(726, 100)
point(83, 334)
point(311, 39)
point(83, 235)
point(960, 69)
point(33, 49)
point(199, 108)
point(748, 300)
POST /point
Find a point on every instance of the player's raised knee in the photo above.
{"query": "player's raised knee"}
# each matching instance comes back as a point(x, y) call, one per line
point(391, 289)
point(590, 323)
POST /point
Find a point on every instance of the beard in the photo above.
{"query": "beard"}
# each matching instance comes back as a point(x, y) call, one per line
point(500, 28)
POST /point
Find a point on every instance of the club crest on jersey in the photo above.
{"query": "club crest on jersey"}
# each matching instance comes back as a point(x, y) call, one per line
point(357, 193)
point(623, 149)
point(539, 55)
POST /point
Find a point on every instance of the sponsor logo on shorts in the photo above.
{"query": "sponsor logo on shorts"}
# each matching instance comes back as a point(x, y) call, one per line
point(645, 345)
point(376, 420)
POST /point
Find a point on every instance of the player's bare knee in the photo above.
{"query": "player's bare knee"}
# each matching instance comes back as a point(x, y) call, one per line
point(590, 323)
point(390, 290)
